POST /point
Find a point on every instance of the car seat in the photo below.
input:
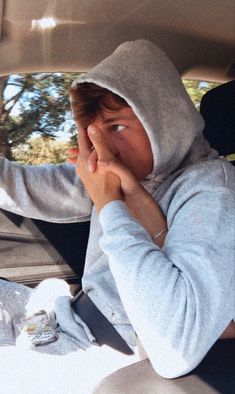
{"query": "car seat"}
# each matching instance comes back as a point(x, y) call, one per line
point(218, 110)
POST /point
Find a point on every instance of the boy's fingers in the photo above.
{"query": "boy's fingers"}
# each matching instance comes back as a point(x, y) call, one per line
point(83, 140)
point(129, 183)
point(73, 151)
point(92, 161)
point(117, 168)
point(114, 166)
point(98, 142)
point(72, 160)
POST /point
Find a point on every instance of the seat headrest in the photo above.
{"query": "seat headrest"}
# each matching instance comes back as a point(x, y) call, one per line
point(218, 110)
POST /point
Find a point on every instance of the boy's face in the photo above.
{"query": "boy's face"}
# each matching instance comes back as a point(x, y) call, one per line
point(126, 138)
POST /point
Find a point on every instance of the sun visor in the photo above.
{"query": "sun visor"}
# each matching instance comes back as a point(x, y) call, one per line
point(1, 16)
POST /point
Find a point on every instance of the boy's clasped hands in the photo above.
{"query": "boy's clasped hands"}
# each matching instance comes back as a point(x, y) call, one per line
point(104, 177)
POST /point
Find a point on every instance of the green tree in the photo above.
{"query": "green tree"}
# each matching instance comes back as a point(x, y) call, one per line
point(196, 89)
point(41, 150)
point(33, 103)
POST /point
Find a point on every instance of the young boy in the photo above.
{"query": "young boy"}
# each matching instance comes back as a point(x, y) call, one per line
point(160, 257)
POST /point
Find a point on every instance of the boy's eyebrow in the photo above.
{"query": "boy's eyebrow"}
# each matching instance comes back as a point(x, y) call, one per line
point(118, 118)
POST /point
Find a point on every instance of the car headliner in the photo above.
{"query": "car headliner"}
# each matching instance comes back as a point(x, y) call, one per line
point(198, 35)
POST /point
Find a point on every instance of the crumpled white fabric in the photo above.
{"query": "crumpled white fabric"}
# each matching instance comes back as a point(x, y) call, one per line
point(53, 296)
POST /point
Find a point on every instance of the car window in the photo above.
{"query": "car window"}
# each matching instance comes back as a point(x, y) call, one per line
point(37, 118)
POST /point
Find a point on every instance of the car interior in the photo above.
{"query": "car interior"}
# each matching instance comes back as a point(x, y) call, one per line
point(74, 35)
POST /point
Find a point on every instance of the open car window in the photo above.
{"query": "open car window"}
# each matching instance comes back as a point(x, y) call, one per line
point(37, 119)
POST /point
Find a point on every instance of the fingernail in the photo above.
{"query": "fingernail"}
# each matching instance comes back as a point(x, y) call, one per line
point(91, 167)
point(92, 130)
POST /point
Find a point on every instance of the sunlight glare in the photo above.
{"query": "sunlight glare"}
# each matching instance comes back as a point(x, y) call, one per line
point(44, 23)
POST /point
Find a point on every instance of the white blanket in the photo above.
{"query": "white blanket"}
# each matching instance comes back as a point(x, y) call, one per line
point(51, 295)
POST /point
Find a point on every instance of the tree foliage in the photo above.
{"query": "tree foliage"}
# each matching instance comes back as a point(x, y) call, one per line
point(41, 150)
point(38, 104)
point(33, 103)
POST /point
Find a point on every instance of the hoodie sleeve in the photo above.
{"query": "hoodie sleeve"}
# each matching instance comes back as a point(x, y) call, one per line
point(179, 299)
point(48, 192)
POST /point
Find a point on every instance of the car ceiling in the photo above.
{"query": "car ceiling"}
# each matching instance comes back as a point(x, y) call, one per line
point(198, 35)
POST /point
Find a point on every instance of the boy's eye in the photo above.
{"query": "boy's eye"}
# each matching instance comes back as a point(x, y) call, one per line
point(118, 127)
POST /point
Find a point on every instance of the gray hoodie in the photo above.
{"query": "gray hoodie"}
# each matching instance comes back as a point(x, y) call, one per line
point(180, 298)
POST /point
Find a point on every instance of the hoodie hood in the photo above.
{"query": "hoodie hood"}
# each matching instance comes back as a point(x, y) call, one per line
point(141, 73)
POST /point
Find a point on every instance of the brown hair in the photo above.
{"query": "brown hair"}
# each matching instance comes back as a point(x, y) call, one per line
point(88, 100)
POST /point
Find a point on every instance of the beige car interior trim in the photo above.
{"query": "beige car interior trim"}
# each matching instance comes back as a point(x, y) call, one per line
point(140, 378)
point(74, 35)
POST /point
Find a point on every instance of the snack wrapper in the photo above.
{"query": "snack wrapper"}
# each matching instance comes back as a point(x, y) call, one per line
point(36, 330)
